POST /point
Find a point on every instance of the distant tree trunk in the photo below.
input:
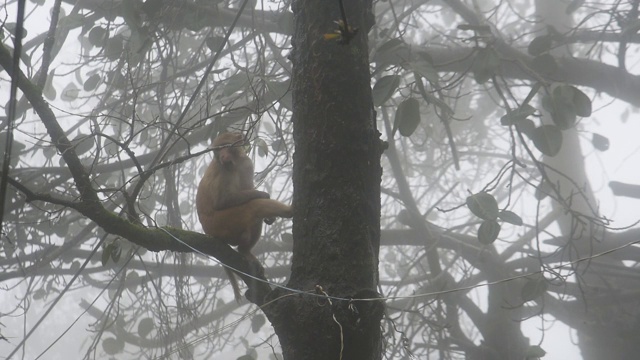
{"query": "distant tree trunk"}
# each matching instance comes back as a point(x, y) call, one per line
point(336, 199)
point(569, 160)
point(610, 326)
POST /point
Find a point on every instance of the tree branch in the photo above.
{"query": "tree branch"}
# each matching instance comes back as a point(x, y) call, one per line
point(91, 207)
point(516, 65)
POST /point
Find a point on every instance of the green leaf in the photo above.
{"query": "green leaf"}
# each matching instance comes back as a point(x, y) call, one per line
point(517, 115)
point(132, 281)
point(391, 45)
point(130, 13)
point(137, 46)
point(278, 145)
point(600, 142)
point(533, 288)
point(483, 205)
point(92, 82)
point(543, 190)
point(49, 152)
point(384, 89)
point(235, 82)
point(565, 103)
point(256, 323)
point(547, 139)
point(407, 117)
point(581, 102)
point(425, 69)
point(286, 238)
point(75, 266)
point(11, 28)
point(534, 352)
point(631, 27)
point(70, 92)
point(280, 91)
point(106, 254)
point(214, 42)
point(404, 217)
point(262, 147)
point(21, 108)
point(390, 257)
point(526, 126)
point(39, 294)
point(61, 228)
point(49, 90)
point(392, 52)
point(563, 113)
point(116, 251)
point(485, 65)
point(510, 217)
point(234, 116)
point(488, 232)
point(82, 143)
point(144, 327)
point(444, 107)
point(540, 45)
point(113, 49)
point(197, 21)
point(112, 346)
point(72, 20)
point(279, 88)
point(151, 8)
point(97, 35)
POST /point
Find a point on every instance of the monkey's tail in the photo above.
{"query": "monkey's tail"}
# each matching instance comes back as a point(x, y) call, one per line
point(234, 284)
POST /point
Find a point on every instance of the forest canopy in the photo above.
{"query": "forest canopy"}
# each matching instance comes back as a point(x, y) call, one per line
point(508, 190)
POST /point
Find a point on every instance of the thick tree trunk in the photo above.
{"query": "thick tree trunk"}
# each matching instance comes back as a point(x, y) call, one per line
point(336, 200)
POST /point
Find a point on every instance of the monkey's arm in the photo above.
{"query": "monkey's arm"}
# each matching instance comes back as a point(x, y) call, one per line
point(235, 224)
point(239, 198)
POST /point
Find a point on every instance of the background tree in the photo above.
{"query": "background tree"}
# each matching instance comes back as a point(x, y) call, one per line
point(521, 96)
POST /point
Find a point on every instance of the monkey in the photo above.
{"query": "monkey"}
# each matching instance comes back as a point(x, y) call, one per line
point(228, 205)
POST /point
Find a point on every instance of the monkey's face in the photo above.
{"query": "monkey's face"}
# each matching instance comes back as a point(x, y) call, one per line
point(227, 156)
point(232, 153)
